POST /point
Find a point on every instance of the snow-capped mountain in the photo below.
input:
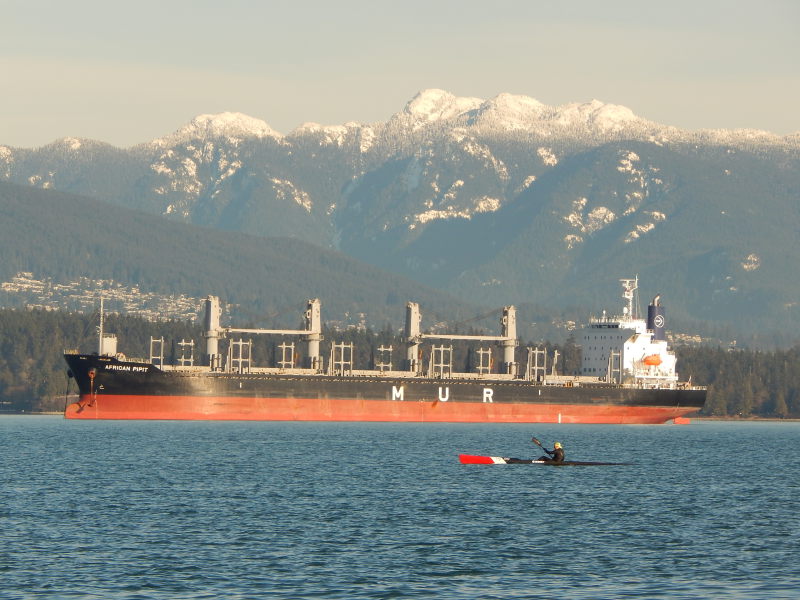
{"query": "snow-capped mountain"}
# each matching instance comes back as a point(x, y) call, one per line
point(502, 200)
point(232, 127)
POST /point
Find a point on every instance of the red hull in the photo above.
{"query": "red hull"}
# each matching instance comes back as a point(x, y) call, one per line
point(316, 409)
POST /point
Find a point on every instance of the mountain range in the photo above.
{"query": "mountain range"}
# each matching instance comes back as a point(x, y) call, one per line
point(497, 201)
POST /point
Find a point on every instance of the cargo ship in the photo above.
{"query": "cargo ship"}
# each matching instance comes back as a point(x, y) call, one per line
point(627, 376)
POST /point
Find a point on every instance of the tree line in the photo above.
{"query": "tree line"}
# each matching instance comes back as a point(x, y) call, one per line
point(33, 374)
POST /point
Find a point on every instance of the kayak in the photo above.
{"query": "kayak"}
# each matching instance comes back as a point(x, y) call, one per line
point(472, 459)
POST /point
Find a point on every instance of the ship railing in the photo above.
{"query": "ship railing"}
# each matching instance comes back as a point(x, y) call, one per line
point(609, 320)
point(133, 359)
point(575, 381)
point(663, 385)
point(475, 376)
point(185, 368)
point(365, 373)
point(562, 380)
point(283, 371)
point(582, 380)
point(655, 381)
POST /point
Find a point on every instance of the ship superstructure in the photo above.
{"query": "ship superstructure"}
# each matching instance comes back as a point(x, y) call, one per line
point(628, 349)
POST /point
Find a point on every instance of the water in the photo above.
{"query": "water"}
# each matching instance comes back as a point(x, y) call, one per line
point(188, 510)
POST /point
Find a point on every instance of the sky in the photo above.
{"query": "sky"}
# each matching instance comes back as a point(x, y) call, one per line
point(128, 72)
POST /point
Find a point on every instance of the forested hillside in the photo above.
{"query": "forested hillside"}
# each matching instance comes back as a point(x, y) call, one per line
point(745, 382)
point(65, 237)
point(33, 373)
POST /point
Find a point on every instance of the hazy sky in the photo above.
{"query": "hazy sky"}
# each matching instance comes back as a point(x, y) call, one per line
point(126, 73)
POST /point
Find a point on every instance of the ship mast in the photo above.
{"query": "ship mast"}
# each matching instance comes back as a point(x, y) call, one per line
point(629, 287)
point(100, 339)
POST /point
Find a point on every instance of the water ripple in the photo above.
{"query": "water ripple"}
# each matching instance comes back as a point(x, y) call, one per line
point(194, 511)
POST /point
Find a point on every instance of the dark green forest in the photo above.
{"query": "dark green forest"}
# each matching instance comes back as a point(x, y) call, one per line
point(33, 375)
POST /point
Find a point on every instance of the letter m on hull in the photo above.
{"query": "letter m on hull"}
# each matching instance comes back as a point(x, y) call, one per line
point(397, 394)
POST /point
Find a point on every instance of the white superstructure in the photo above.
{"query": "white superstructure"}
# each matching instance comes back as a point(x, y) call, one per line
point(629, 349)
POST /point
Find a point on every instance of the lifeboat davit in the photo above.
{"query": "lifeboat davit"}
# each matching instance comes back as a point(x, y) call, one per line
point(653, 360)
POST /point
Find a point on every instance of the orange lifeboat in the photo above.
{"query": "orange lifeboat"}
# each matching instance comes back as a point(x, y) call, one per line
point(653, 360)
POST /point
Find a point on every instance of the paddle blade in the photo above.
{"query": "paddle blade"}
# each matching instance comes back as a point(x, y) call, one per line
point(535, 441)
point(472, 459)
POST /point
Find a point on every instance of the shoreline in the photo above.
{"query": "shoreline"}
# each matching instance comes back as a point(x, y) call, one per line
point(716, 418)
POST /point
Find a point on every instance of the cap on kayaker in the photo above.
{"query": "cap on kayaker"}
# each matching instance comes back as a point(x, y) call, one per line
point(557, 445)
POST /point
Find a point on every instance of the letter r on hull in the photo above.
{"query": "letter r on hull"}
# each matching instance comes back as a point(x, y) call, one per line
point(487, 394)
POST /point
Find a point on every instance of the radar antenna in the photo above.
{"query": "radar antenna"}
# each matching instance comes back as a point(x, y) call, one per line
point(629, 287)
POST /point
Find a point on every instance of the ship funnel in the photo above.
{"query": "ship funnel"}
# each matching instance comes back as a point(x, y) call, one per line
point(656, 321)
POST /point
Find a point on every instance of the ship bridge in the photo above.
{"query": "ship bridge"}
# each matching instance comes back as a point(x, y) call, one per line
point(628, 349)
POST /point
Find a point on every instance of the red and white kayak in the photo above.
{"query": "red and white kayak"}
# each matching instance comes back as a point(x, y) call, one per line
point(473, 459)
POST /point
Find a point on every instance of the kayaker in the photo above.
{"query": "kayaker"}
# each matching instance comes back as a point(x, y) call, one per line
point(556, 455)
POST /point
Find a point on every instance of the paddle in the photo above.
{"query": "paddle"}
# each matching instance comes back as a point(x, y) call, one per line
point(538, 443)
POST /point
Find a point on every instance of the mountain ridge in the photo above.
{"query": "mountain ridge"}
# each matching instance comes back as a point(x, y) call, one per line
point(514, 111)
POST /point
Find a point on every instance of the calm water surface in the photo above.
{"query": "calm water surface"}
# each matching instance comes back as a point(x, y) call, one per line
point(188, 510)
